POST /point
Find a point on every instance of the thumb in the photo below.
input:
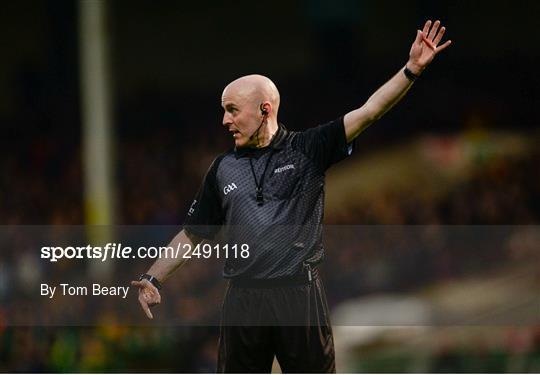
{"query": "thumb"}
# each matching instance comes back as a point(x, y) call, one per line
point(418, 39)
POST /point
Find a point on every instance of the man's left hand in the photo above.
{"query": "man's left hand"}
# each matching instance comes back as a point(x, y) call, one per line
point(426, 46)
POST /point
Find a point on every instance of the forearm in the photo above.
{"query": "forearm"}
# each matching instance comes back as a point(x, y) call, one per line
point(388, 95)
point(377, 105)
point(163, 268)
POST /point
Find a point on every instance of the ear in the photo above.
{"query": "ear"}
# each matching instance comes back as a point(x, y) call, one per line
point(266, 108)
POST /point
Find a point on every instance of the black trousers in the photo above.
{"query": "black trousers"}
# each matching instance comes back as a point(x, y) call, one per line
point(289, 322)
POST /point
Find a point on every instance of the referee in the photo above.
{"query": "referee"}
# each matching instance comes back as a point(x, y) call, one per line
point(268, 193)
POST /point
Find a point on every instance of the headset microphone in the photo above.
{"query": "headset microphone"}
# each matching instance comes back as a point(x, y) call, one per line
point(264, 112)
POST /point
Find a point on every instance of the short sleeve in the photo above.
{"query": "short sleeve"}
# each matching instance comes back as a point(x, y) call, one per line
point(205, 214)
point(325, 144)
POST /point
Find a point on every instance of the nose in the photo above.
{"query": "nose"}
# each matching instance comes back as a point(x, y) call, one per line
point(227, 121)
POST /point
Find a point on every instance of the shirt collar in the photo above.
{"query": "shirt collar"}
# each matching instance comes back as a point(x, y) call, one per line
point(277, 143)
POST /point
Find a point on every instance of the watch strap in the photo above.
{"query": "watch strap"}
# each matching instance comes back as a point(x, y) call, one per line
point(410, 75)
point(155, 282)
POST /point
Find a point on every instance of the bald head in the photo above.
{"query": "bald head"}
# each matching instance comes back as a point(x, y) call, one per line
point(250, 106)
point(253, 89)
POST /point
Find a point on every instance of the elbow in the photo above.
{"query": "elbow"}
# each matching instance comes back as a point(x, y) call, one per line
point(371, 114)
point(372, 118)
point(358, 120)
point(195, 240)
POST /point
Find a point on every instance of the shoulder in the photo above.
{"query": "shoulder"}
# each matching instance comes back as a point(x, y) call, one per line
point(335, 126)
point(218, 160)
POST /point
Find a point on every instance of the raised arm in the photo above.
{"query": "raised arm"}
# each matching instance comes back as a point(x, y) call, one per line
point(161, 269)
point(423, 50)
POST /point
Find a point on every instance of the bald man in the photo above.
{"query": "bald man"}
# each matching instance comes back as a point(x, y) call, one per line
point(265, 197)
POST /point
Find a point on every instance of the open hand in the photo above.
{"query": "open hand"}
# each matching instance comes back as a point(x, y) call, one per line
point(426, 46)
point(148, 296)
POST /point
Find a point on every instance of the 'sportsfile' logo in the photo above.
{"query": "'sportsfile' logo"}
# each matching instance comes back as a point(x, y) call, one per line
point(228, 188)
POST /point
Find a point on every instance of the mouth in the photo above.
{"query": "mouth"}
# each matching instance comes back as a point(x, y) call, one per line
point(235, 133)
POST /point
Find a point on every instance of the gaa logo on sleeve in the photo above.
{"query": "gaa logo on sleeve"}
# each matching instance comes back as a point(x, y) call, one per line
point(192, 208)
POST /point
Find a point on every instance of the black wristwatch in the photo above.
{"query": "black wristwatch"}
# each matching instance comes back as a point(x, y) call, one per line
point(410, 75)
point(155, 282)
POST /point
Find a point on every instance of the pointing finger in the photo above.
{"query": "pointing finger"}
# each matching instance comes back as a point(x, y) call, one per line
point(149, 313)
point(145, 308)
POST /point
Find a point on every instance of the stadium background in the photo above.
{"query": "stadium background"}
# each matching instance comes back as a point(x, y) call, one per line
point(471, 121)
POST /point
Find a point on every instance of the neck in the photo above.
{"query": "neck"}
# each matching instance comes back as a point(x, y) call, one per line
point(266, 134)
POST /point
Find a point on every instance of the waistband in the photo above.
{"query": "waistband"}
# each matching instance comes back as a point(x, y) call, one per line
point(305, 277)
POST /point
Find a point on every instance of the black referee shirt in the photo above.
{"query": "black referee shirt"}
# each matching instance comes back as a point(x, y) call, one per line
point(285, 232)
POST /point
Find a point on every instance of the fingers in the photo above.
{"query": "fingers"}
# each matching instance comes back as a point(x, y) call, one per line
point(439, 35)
point(429, 43)
point(427, 25)
point(151, 297)
point(432, 35)
point(434, 30)
point(148, 296)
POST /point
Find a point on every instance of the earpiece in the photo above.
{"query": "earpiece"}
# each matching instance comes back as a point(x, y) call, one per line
point(264, 112)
